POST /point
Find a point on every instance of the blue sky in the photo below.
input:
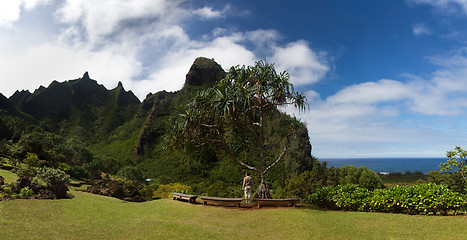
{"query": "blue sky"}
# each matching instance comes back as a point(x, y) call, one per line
point(384, 78)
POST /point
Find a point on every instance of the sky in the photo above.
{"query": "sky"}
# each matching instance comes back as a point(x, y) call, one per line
point(384, 78)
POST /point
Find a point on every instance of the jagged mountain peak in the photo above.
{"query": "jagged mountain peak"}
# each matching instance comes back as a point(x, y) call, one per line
point(7, 105)
point(19, 96)
point(86, 76)
point(204, 71)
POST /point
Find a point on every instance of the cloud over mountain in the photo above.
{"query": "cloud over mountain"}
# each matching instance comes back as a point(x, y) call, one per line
point(145, 44)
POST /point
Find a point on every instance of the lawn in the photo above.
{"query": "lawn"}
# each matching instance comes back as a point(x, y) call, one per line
point(89, 216)
point(9, 176)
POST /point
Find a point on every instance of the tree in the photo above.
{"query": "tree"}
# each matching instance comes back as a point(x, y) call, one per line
point(457, 158)
point(232, 117)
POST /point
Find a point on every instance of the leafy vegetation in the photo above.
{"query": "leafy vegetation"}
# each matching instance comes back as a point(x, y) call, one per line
point(83, 129)
point(53, 177)
point(393, 179)
point(48, 183)
point(232, 116)
point(89, 216)
point(165, 191)
point(416, 199)
point(310, 181)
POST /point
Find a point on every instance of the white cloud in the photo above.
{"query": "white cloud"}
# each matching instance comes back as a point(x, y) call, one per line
point(208, 13)
point(304, 65)
point(30, 4)
point(103, 18)
point(419, 29)
point(143, 45)
point(66, 63)
point(447, 6)
point(397, 117)
point(10, 10)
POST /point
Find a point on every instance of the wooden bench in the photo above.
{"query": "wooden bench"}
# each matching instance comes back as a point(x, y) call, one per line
point(187, 197)
point(284, 202)
point(221, 201)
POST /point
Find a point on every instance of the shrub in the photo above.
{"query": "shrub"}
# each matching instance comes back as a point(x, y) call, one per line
point(26, 192)
point(453, 181)
point(79, 172)
point(166, 190)
point(131, 173)
point(64, 167)
point(351, 197)
point(416, 199)
point(52, 176)
point(8, 190)
point(322, 197)
point(24, 170)
point(309, 181)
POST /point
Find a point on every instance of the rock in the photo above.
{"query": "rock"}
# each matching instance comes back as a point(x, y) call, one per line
point(23, 182)
point(2, 181)
point(60, 191)
point(204, 71)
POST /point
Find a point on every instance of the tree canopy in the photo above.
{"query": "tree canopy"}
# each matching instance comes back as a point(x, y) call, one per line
point(232, 116)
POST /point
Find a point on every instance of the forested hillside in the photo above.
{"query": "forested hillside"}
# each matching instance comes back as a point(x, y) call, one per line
point(84, 128)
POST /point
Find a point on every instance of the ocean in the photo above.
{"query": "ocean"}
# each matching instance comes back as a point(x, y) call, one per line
point(386, 165)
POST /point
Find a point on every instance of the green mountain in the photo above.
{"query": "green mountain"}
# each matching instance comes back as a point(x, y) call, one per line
point(121, 131)
point(12, 121)
point(79, 107)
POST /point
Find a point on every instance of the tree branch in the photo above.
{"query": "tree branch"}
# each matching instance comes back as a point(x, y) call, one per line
point(232, 155)
point(286, 147)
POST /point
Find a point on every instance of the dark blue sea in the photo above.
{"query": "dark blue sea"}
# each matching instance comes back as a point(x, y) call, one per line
point(387, 165)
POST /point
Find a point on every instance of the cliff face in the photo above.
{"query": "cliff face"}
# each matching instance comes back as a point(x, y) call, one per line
point(160, 106)
point(204, 71)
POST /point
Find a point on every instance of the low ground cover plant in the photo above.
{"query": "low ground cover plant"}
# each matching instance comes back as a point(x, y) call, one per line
point(428, 198)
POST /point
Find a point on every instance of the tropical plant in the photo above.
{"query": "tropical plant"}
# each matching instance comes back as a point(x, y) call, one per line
point(52, 177)
point(166, 190)
point(426, 198)
point(457, 161)
point(231, 116)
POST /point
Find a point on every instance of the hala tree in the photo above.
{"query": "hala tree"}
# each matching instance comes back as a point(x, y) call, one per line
point(232, 117)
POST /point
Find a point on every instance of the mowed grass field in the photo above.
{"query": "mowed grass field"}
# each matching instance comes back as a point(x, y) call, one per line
point(88, 216)
point(8, 176)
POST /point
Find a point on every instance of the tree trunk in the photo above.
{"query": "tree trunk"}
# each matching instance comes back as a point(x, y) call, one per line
point(263, 191)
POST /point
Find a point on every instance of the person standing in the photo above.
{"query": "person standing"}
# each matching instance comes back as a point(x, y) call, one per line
point(247, 187)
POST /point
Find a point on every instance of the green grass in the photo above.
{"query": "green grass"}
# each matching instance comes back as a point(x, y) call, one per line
point(9, 176)
point(404, 179)
point(89, 216)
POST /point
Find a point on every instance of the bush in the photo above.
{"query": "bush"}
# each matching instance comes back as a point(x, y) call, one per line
point(453, 181)
point(52, 176)
point(309, 181)
point(417, 199)
point(24, 170)
point(323, 197)
point(351, 197)
point(166, 190)
point(79, 172)
point(131, 173)
point(64, 167)
point(26, 192)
